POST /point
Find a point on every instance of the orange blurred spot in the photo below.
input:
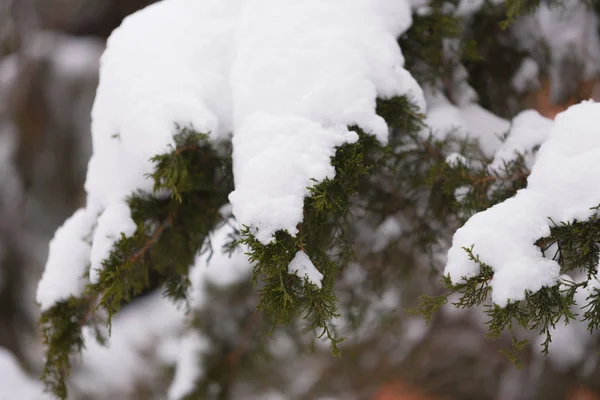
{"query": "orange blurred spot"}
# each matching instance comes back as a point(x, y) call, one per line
point(582, 393)
point(540, 99)
point(400, 391)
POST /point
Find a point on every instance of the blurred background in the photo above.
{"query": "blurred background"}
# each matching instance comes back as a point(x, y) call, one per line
point(49, 60)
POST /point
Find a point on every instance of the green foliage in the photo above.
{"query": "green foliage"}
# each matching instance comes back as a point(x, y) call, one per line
point(462, 190)
point(322, 233)
point(171, 230)
point(575, 247)
point(491, 73)
point(410, 175)
point(61, 332)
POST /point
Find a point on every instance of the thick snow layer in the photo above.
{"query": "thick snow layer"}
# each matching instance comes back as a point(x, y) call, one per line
point(303, 268)
point(304, 71)
point(286, 77)
point(68, 260)
point(274, 166)
point(168, 63)
point(558, 188)
point(528, 130)
point(14, 384)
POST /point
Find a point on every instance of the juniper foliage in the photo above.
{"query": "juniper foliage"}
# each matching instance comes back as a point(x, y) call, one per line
point(191, 183)
point(410, 175)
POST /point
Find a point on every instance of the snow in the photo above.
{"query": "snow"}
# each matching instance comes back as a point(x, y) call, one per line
point(65, 276)
point(303, 268)
point(456, 159)
point(558, 188)
point(528, 130)
point(484, 126)
point(274, 167)
point(188, 366)
point(14, 384)
point(304, 72)
point(286, 79)
point(168, 63)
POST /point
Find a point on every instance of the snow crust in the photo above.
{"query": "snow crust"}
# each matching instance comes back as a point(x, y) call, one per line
point(304, 72)
point(558, 188)
point(302, 267)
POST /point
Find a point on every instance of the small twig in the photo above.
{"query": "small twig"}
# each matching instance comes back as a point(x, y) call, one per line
point(94, 298)
point(491, 178)
point(167, 223)
point(193, 147)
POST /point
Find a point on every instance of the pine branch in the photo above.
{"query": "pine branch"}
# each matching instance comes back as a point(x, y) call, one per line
point(170, 232)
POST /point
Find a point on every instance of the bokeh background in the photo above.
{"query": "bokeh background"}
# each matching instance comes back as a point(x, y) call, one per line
point(49, 60)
